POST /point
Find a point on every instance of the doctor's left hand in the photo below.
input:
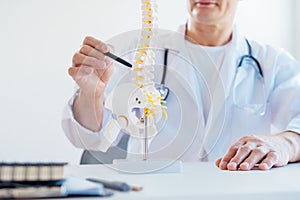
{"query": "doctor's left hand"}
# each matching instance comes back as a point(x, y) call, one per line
point(266, 151)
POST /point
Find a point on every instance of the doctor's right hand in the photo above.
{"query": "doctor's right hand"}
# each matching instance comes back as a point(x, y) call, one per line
point(91, 69)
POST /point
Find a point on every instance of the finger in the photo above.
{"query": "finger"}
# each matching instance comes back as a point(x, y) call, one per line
point(254, 139)
point(255, 157)
point(230, 154)
point(218, 161)
point(107, 73)
point(270, 161)
point(73, 71)
point(91, 52)
point(80, 59)
point(242, 153)
point(78, 72)
point(108, 61)
point(101, 46)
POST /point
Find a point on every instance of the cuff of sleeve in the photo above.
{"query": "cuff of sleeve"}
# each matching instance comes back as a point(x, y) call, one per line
point(84, 138)
point(70, 114)
point(294, 125)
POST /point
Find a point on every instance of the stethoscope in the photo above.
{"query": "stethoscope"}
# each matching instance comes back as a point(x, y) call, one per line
point(164, 90)
point(250, 58)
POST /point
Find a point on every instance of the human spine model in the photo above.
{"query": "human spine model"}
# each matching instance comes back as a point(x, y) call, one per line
point(143, 65)
point(137, 105)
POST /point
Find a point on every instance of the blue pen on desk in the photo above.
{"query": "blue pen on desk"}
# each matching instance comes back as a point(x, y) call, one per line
point(115, 185)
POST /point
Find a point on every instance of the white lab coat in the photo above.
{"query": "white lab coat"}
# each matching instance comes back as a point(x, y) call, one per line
point(190, 134)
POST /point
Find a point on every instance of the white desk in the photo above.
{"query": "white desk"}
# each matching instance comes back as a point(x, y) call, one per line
point(203, 181)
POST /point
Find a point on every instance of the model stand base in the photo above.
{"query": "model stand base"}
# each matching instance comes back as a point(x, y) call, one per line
point(147, 166)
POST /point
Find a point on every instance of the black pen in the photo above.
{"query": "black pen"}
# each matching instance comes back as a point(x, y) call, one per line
point(116, 58)
point(115, 185)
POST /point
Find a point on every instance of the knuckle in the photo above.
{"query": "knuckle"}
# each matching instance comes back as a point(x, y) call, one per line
point(245, 138)
point(234, 148)
point(256, 138)
point(235, 159)
point(226, 159)
point(258, 151)
point(253, 138)
point(259, 140)
point(245, 149)
point(274, 156)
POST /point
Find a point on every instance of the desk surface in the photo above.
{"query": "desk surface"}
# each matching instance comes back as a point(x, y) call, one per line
point(202, 181)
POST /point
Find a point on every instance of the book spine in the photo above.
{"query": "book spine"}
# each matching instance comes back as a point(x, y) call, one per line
point(31, 171)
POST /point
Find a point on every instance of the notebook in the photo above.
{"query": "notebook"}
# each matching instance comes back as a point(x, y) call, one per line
point(40, 180)
point(31, 171)
point(32, 192)
point(70, 187)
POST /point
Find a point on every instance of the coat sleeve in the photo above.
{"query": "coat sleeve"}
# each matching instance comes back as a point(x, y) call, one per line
point(83, 138)
point(285, 97)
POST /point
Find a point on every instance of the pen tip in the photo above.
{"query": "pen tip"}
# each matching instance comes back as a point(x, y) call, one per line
point(136, 188)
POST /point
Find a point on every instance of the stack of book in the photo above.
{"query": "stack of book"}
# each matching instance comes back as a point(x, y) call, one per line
point(31, 180)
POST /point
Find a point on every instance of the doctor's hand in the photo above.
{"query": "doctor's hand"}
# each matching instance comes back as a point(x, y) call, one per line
point(264, 151)
point(91, 69)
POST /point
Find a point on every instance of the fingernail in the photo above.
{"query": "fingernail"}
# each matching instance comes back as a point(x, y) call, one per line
point(103, 48)
point(264, 165)
point(232, 165)
point(245, 165)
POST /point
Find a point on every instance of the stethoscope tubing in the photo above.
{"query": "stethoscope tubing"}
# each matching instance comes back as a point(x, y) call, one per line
point(162, 85)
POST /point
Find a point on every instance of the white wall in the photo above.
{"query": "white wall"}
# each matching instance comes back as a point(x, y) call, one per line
point(38, 38)
point(269, 22)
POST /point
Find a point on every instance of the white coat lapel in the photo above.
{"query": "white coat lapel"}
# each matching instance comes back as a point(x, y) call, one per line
point(219, 114)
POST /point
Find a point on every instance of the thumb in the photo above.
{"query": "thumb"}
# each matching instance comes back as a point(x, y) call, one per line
point(73, 71)
point(218, 161)
point(77, 72)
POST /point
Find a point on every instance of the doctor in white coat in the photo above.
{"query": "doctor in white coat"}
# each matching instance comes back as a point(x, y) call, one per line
point(237, 136)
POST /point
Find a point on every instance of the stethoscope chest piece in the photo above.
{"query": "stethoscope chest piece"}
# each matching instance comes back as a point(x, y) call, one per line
point(163, 91)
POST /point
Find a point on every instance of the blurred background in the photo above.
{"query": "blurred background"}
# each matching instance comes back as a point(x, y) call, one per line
point(39, 37)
